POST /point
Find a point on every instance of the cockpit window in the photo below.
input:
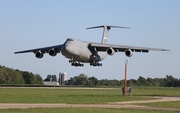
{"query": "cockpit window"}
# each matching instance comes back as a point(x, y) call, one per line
point(69, 39)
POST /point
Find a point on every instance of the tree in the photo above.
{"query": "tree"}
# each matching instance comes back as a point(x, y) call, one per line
point(103, 82)
point(80, 80)
point(4, 77)
point(54, 78)
point(16, 78)
point(48, 78)
point(170, 81)
point(93, 81)
point(133, 82)
point(51, 77)
point(38, 78)
point(29, 78)
point(142, 81)
point(10, 76)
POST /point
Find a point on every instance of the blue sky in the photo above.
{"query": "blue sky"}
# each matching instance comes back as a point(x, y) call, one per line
point(29, 24)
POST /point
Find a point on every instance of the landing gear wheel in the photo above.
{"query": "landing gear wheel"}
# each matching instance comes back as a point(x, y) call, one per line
point(72, 64)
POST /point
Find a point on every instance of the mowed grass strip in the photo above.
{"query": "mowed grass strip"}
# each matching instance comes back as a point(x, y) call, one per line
point(80, 95)
point(61, 95)
point(171, 104)
point(156, 91)
point(81, 110)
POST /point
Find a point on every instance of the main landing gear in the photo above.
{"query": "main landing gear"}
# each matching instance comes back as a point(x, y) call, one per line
point(95, 64)
point(74, 63)
point(78, 64)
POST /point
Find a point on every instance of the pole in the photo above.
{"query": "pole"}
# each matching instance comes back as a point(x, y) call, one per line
point(126, 62)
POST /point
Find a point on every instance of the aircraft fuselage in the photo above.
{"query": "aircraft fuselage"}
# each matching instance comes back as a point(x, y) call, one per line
point(78, 50)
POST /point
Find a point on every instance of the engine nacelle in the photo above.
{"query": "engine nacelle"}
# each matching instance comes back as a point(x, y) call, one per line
point(129, 53)
point(110, 51)
point(39, 54)
point(52, 52)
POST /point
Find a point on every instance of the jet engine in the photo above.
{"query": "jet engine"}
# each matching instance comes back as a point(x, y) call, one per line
point(110, 51)
point(129, 53)
point(39, 54)
point(52, 52)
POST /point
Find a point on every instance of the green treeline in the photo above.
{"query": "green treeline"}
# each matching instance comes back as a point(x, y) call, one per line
point(11, 76)
point(168, 81)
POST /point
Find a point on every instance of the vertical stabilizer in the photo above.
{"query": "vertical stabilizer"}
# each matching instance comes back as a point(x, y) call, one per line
point(105, 32)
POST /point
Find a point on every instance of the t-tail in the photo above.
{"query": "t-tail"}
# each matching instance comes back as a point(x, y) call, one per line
point(106, 30)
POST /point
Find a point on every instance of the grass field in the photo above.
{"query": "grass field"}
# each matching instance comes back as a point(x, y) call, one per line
point(79, 95)
point(84, 96)
point(156, 91)
point(81, 110)
point(61, 95)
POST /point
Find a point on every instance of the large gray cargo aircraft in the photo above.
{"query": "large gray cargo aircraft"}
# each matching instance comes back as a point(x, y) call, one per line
point(89, 52)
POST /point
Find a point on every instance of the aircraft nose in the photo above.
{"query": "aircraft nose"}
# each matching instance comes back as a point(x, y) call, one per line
point(68, 47)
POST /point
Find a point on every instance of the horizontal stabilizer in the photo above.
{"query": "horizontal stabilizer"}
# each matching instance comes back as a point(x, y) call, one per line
point(107, 27)
point(106, 30)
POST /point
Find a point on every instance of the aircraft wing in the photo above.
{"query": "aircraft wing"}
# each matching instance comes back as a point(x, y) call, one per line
point(43, 50)
point(123, 48)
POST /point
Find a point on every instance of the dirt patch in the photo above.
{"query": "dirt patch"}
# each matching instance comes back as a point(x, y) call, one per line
point(158, 99)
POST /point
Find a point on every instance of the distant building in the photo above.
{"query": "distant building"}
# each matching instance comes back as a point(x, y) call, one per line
point(51, 83)
point(62, 80)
